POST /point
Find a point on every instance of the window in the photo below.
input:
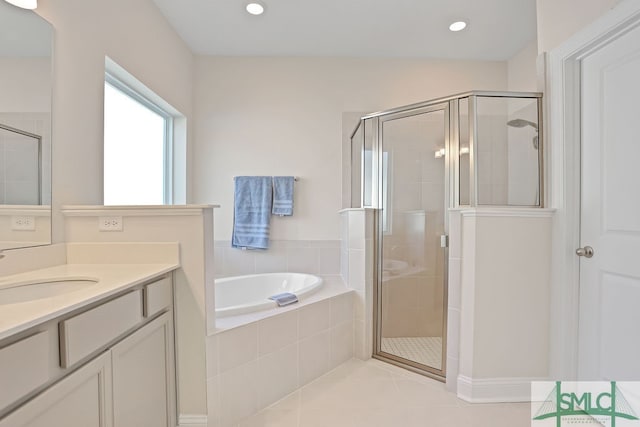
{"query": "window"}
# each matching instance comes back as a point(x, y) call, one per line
point(137, 148)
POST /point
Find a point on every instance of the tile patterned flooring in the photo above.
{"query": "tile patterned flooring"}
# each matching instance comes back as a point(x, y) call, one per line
point(425, 350)
point(377, 394)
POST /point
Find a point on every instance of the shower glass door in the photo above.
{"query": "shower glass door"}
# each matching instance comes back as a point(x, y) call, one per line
point(411, 315)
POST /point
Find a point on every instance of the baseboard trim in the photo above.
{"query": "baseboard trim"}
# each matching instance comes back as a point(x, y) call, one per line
point(190, 420)
point(495, 390)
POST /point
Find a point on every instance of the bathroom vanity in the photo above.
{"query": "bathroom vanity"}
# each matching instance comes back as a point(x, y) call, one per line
point(101, 355)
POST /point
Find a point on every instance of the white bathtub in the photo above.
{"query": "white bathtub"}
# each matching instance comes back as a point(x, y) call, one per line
point(246, 294)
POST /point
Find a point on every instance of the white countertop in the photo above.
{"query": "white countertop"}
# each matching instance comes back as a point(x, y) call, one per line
point(112, 279)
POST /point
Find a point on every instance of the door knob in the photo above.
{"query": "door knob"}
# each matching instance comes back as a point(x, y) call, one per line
point(586, 252)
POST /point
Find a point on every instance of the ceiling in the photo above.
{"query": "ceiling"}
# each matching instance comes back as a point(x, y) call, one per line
point(355, 28)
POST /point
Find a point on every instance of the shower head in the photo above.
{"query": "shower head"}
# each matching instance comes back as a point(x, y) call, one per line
point(520, 123)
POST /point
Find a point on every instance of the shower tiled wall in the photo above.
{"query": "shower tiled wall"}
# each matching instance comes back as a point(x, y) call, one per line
point(297, 256)
point(523, 158)
point(356, 252)
point(412, 299)
point(454, 298)
point(492, 160)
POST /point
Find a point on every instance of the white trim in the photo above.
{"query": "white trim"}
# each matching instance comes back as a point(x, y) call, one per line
point(495, 390)
point(115, 70)
point(32, 210)
point(613, 23)
point(508, 212)
point(356, 210)
point(563, 124)
point(155, 210)
point(190, 420)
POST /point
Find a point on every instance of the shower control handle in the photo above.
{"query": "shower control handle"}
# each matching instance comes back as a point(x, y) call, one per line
point(586, 252)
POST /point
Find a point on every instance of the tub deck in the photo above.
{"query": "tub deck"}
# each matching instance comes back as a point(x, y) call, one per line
point(333, 286)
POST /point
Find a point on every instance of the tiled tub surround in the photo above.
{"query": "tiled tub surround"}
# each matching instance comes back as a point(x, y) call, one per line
point(256, 359)
point(295, 256)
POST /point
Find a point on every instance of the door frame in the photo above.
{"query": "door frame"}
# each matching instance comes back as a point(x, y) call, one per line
point(563, 71)
point(380, 119)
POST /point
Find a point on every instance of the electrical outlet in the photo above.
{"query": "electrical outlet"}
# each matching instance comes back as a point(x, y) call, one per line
point(110, 223)
point(23, 223)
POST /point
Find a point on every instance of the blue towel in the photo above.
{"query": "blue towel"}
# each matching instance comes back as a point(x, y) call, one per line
point(252, 212)
point(284, 298)
point(282, 195)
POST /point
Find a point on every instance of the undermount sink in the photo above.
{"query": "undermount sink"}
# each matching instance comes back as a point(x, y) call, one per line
point(40, 289)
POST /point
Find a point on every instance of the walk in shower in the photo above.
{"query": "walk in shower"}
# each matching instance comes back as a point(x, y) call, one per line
point(414, 163)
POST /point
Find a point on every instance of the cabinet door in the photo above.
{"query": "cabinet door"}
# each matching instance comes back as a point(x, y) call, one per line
point(143, 377)
point(82, 399)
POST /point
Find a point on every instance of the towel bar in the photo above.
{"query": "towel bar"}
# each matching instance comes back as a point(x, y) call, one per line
point(295, 178)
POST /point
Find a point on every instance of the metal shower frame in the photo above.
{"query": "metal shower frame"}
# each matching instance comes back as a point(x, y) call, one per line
point(451, 106)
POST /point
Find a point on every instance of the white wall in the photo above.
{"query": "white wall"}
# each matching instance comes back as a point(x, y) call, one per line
point(283, 116)
point(521, 69)
point(503, 293)
point(135, 35)
point(560, 19)
point(25, 85)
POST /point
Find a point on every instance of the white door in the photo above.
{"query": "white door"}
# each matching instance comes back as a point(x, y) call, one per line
point(609, 344)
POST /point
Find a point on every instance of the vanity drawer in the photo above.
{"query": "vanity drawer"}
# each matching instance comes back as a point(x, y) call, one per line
point(24, 366)
point(157, 297)
point(89, 331)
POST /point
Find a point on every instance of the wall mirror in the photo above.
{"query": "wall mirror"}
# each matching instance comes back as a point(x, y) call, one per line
point(25, 128)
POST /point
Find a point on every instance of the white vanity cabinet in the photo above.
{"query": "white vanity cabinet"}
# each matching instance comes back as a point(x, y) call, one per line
point(143, 377)
point(115, 368)
point(81, 399)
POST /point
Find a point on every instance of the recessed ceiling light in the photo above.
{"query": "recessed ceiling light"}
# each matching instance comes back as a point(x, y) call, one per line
point(458, 26)
point(255, 8)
